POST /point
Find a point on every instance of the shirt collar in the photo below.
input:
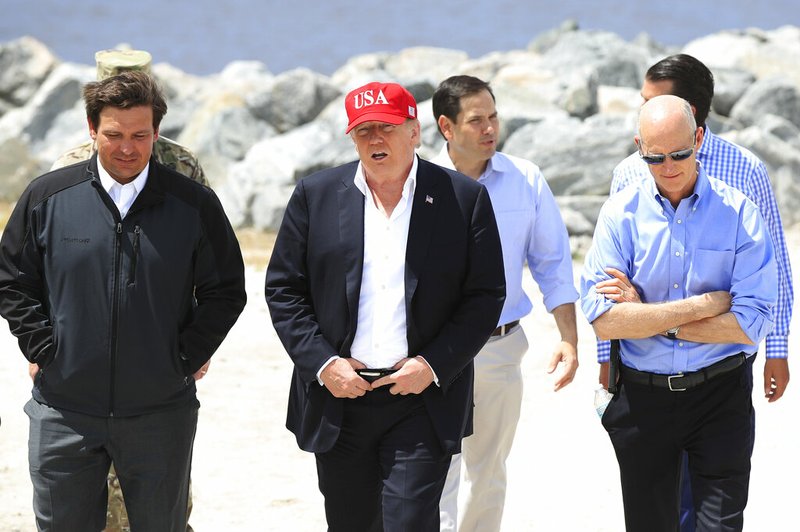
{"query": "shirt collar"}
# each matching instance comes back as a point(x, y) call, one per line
point(495, 164)
point(701, 186)
point(408, 187)
point(108, 182)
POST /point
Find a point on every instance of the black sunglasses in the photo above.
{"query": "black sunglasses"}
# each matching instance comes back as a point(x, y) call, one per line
point(659, 158)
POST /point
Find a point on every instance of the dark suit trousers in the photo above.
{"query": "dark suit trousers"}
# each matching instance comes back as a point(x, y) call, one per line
point(687, 500)
point(387, 470)
point(651, 428)
point(70, 454)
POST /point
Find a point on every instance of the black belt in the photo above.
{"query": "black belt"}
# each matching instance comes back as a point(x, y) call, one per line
point(683, 381)
point(505, 329)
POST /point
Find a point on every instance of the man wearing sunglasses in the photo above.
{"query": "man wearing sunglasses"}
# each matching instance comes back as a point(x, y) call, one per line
point(706, 303)
point(685, 76)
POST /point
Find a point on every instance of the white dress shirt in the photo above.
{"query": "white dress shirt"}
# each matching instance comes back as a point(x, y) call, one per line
point(380, 340)
point(122, 195)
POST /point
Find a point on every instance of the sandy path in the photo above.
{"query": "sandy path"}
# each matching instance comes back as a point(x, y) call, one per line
point(249, 475)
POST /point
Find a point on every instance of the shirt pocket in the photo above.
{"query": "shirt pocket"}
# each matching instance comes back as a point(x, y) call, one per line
point(710, 270)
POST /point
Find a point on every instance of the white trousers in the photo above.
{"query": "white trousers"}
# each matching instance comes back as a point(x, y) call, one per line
point(498, 398)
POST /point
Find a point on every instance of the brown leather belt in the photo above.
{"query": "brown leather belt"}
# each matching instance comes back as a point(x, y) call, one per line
point(683, 381)
point(505, 329)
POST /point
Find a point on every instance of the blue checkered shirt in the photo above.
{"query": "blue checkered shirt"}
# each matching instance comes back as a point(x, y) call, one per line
point(739, 168)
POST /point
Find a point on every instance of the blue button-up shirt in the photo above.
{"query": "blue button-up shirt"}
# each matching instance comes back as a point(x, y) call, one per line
point(531, 230)
point(714, 240)
point(739, 168)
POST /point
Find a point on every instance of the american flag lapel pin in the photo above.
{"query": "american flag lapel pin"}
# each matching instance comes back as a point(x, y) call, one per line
point(429, 199)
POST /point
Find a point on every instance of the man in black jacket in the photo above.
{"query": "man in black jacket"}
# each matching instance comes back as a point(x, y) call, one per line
point(385, 280)
point(120, 278)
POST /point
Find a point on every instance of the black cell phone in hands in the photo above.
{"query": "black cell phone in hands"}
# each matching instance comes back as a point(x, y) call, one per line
point(373, 374)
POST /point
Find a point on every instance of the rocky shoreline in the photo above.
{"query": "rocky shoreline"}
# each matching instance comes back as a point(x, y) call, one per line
point(568, 102)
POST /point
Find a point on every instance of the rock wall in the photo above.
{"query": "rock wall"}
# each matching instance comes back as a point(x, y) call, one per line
point(568, 102)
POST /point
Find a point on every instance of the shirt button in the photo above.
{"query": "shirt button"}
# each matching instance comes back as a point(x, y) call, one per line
point(680, 344)
point(680, 221)
point(677, 253)
point(675, 285)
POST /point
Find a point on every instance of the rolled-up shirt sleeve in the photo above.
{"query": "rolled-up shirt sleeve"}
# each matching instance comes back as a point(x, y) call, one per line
point(754, 283)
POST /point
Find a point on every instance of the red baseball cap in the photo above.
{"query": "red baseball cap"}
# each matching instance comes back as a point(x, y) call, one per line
point(379, 102)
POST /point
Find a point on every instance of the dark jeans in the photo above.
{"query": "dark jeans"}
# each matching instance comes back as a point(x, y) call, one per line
point(70, 454)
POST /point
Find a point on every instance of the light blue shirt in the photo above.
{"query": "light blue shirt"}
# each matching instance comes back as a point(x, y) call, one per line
point(739, 168)
point(714, 240)
point(531, 230)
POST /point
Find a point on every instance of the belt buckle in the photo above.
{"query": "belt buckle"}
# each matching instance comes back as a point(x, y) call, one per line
point(669, 383)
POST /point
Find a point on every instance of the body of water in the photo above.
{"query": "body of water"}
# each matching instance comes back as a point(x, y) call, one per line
point(203, 36)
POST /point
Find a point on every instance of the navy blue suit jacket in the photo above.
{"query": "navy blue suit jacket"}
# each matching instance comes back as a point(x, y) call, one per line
point(454, 281)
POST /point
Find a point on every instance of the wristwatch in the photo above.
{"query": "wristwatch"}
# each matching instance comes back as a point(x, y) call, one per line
point(672, 333)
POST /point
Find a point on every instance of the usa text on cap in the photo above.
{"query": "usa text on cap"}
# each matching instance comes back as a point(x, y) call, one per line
point(379, 102)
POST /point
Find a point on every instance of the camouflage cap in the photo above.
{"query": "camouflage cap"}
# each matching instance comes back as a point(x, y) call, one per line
point(112, 62)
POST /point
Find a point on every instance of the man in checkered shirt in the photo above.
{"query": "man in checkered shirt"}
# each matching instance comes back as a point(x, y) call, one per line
point(683, 75)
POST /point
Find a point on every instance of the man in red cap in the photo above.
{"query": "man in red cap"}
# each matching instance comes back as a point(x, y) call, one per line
point(385, 281)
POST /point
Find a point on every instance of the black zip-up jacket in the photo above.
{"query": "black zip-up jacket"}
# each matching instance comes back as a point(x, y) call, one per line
point(119, 314)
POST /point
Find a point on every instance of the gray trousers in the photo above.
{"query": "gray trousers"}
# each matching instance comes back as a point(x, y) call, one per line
point(70, 454)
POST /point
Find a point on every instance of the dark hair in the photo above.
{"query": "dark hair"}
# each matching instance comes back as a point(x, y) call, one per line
point(691, 80)
point(447, 97)
point(126, 90)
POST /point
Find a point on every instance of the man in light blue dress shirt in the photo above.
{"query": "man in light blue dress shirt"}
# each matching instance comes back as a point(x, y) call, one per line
point(702, 265)
point(685, 76)
point(532, 231)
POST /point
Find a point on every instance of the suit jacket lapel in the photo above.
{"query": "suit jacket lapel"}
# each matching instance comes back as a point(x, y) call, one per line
point(421, 227)
point(351, 239)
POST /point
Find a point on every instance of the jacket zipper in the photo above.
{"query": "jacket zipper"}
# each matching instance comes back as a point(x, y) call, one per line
point(115, 315)
point(136, 232)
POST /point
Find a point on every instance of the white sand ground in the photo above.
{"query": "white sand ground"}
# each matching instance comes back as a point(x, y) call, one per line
point(249, 475)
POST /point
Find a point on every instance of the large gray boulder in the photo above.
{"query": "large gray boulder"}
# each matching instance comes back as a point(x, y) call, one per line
point(18, 167)
point(221, 132)
point(360, 70)
point(762, 53)
point(259, 186)
point(782, 160)
point(603, 56)
point(773, 95)
point(184, 93)
point(244, 76)
point(421, 69)
point(585, 207)
point(576, 157)
point(60, 92)
point(525, 91)
point(24, 64)
point(295, 98)
point(730, 84)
